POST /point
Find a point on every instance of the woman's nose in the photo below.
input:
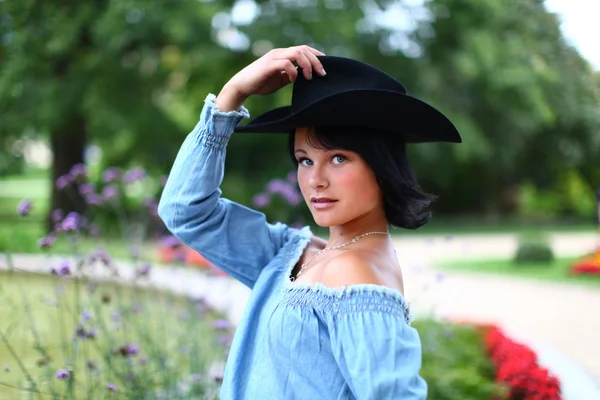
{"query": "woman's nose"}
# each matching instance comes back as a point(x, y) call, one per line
point(317, 179)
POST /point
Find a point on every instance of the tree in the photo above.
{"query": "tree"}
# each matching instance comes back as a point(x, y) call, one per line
point(101, 70)
point(517, 92)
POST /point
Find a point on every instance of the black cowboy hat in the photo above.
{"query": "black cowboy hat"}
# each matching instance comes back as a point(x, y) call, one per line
point(355, 94)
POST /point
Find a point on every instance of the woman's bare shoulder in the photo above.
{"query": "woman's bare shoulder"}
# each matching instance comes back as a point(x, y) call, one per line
point(354, 268)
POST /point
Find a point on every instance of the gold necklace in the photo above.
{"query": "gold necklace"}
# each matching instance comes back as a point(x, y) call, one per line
point(334, 248)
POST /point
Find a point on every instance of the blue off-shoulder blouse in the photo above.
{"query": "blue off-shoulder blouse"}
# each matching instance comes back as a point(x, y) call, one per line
point(295, 340)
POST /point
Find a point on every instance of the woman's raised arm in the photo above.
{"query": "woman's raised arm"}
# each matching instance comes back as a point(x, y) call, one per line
point(231, 236)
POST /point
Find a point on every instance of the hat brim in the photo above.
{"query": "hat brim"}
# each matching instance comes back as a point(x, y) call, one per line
point(384, 110)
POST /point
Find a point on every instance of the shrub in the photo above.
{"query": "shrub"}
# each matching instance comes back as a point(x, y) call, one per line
point(535, 249)
point(455, 364)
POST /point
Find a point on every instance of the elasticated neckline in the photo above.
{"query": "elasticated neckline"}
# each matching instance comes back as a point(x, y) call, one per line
point(358, 296)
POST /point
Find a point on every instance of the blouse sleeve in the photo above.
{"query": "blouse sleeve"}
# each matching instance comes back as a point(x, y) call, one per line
point(232, 237)
point(377, 351)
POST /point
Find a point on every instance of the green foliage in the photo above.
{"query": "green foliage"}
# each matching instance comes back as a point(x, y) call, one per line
point(455, 364)
point(136, 73)
point(523, 98)
point(533, 248)
point(571, 194)
point(533, 252)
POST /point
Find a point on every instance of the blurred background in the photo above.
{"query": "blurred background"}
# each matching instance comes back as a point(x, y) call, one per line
point(120, 84)
point(96, 98)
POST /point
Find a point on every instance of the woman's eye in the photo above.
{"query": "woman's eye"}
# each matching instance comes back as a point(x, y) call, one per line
point(304, 161)
point(339, 159)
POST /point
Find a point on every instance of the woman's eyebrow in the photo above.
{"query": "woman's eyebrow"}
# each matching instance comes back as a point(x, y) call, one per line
point(300, 151)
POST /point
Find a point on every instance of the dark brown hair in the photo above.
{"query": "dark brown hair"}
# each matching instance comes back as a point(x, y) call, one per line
point(405, 202)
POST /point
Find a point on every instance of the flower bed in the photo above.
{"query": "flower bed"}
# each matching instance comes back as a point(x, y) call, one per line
point(587, 265)
point(517, 368)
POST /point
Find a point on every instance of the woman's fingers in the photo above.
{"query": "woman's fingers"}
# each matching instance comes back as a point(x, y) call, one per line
point(297, 54)
point(288, 68)
point(314, 61)
point(305, 57)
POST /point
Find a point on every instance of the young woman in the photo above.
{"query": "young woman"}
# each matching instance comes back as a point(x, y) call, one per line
point(327, 319)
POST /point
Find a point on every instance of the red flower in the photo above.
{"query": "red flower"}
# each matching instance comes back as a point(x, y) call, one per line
point(516, 367)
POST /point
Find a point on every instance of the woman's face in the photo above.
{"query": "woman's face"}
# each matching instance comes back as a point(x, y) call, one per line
point(338, 185)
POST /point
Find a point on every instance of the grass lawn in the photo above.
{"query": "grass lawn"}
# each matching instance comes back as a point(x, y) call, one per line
point(39, 316)
point(23, 237)
point(556, 271)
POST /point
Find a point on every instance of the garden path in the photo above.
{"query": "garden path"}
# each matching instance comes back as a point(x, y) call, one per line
point(561, 322)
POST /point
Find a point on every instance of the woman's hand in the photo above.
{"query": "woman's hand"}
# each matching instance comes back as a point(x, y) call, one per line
point(268, 74)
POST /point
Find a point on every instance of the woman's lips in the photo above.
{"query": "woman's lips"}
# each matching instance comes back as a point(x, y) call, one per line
point(321, 204)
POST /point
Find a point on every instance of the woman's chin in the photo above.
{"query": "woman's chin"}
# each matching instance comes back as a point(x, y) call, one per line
point(326, 222)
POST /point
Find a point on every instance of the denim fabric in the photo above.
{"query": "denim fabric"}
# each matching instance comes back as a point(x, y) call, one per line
point(295, 341)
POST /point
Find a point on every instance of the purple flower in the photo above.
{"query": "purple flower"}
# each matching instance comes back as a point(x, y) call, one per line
point(170, 241)
point(63, 181)
point(285, 189)
point(111, 174)
point(57, 215)
point(80, 332)
point(62, 374)
point(86, 188)
point(136, 308)
point(110, 192)
point(276, 185)
point(86, 316)
point(132, 349)
point(292, 177)
point(100, 255)
point(222, 324)
point(201, 305)
point(261, 200)
point(134, 174)
point(46, 242)
point(291, 196)
point(71, 222)
point(116, 316)
point(144, 270)
point(91, 333)
point(112, 387)
point(24, 208)
point(94, 199)
point(77, 172)
point(63, 269)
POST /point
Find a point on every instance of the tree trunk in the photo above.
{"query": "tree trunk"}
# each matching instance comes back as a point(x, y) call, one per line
point(67, 142)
